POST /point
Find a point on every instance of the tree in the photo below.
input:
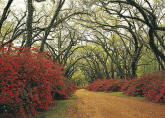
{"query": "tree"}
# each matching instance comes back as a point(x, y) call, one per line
point(148, 17)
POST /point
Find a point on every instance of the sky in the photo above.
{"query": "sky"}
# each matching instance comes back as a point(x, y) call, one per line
point(19, 5)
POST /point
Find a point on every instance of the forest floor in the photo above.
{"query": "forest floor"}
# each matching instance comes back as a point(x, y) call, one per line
point(103, 105)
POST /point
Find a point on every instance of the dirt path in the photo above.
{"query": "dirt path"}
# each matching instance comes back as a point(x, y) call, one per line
point(99, 105)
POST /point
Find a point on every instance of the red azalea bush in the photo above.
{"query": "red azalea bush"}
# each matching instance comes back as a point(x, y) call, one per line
point(64, 91)
point(29, 82)
point(133, 87)
point(161, 96)
point(97, 85)
point(108, 85)
point(151, 86)
point(114, 85)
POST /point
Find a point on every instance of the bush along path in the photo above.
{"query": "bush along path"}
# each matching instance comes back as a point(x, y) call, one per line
point(104, 105)
point(29, 83)
point(151, 86)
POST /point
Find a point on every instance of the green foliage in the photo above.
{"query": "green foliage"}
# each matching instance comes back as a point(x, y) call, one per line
point(147, 63)
point(79, 79)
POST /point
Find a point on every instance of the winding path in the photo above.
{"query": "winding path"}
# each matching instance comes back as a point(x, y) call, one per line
point(99, 105)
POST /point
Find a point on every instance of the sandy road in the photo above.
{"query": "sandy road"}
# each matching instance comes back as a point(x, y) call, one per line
point(99, 105)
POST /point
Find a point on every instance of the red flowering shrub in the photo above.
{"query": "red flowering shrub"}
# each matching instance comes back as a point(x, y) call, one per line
point(149, 86)
point(64, 91)
point(133, 88)
point(108, 85)
point(161, 96)
point(153, 87)
point(97, 85)
point(29, 82)
point(125, 86)
point(115, 85)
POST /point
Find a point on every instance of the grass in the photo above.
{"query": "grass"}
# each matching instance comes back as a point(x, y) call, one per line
point(123, 95)
point(58, 110)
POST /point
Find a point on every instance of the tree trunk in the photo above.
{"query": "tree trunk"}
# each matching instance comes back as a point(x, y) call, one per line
point(51, 24)
point(5, 13)
point(29, 23)
point(159, 55)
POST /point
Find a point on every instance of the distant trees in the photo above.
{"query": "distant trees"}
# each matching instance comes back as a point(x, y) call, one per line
point(135, 25)
point(35, 23)
point(143, 12)
point(45, 28)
